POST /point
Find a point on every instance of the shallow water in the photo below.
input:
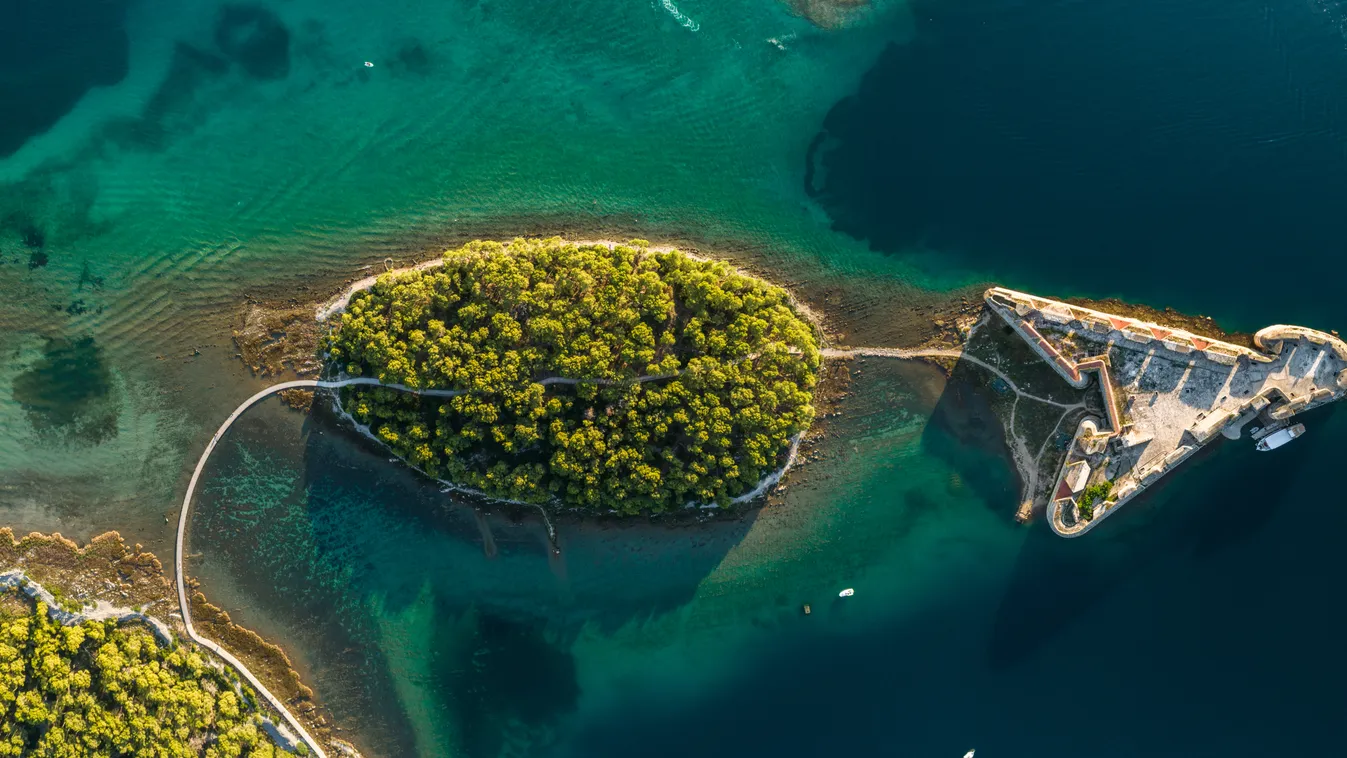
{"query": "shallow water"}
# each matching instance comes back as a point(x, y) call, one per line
point(261, 158)
point(146, 216)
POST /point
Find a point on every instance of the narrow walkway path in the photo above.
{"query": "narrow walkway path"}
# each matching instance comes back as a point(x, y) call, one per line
point(1025, 461)
point(893, 352)
point(182, 532)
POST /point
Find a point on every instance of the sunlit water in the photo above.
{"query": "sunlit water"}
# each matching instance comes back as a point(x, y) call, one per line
point(261, 157)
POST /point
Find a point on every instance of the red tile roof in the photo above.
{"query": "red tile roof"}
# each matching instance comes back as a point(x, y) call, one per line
point(1063, 490)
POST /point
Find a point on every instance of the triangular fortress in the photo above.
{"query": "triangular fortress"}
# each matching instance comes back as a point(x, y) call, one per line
point(1166, 392)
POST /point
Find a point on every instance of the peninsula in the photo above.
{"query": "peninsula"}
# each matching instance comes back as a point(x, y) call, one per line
point(1163, 393)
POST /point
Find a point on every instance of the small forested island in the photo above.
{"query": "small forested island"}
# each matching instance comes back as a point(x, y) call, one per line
point(608, 378)
point(98, 689)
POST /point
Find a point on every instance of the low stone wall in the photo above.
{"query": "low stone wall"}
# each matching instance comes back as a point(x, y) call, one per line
point(1272, 337)
point(1142, 332)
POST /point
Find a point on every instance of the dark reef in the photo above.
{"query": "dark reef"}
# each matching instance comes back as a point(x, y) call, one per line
point(510, 679)
point(254, 37)
point(32, 235)
point(413, 58)
point(174, 104)
point(67, 393)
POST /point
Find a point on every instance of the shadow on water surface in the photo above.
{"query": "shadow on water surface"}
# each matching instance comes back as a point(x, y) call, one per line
point(385, 590)
point(1122, 619)
point(1219, 500)
point(401, 603)
point(965, 433)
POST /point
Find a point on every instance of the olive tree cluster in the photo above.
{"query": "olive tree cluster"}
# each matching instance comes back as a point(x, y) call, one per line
point(623, 378)
point(94, 689)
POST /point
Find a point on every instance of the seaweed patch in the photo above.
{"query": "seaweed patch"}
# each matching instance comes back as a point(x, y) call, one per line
point(67, 392)
point(254, 38)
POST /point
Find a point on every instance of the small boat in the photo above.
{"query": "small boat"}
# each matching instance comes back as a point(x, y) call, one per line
point(807, 609)
point(1280, 437)
point(969, 754)
point(848, 592)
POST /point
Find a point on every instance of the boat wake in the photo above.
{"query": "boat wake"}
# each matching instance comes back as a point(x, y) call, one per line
point(680, 16)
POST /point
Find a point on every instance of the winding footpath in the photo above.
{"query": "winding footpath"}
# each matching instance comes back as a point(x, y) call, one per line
point(182, 533)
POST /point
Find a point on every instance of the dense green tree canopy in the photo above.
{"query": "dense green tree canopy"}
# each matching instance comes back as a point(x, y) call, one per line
point(734, 370)
point(95, 689)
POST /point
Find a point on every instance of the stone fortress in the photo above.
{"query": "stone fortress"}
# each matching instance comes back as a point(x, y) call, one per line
point(1166, 393)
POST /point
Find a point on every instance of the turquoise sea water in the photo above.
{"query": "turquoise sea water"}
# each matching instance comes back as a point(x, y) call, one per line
point(146, 216)
point(251, 153)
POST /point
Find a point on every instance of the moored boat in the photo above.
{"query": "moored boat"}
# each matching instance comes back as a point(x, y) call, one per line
point(848, 592)
point(1280, 437)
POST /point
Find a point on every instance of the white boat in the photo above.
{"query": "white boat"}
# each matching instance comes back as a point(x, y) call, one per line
point(969, 754)
point(1280, 437)
point(848, 592)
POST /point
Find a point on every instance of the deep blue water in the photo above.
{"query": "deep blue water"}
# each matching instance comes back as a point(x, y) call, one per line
point(1197, 627)
point(51, 53)
point(1189, 153)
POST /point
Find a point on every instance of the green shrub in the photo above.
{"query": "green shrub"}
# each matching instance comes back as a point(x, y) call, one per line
point(1095, 493)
